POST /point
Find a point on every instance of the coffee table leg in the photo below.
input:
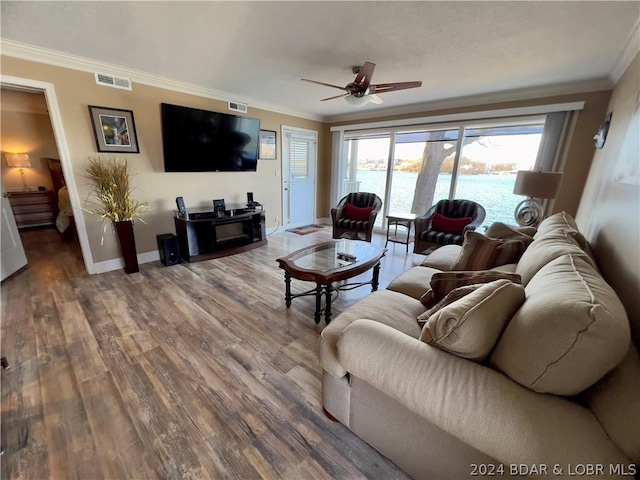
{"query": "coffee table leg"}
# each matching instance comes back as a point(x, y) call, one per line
point(287, 289)
point(327, 308)
point(316, 315)
point(376, 276)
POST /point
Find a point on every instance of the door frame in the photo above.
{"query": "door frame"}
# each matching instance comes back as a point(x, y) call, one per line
point(285, 172)
point(63, 152)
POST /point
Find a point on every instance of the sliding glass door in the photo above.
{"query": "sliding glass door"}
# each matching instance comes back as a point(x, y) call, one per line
point(412, 169)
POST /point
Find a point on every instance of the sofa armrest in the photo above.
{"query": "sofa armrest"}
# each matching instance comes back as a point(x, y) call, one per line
point(443, 258)
point(474, 403)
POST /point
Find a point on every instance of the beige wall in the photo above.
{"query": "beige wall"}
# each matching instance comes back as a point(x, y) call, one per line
point(609, 212)
point(76, 90)
point(26, 128)
point(581, 148)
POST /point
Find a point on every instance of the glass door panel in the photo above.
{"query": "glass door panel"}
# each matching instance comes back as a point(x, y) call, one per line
point(488, 165)
point(417, 180)
point(371, 159)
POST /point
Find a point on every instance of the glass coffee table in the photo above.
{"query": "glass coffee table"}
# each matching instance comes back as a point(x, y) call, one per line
point(329, 262)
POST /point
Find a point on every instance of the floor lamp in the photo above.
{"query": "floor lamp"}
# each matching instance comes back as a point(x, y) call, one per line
point(21, 161)
point(535, 185)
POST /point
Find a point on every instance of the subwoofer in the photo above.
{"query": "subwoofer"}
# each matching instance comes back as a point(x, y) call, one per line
point(168, 248)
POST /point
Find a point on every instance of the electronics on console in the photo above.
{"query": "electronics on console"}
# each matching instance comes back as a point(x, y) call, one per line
point(180, 204)
point(250, 201)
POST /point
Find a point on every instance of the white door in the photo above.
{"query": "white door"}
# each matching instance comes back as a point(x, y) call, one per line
point(12, 257)
point(299, 149)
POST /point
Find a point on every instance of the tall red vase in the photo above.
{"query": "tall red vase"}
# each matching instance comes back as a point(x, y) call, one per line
point(127, 241)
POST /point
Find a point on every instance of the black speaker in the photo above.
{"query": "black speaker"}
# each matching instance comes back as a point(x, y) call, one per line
point(249, 199)
point(180, 204)
point(168, 248)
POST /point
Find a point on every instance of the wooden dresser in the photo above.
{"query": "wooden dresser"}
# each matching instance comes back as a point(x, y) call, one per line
point(32, 209)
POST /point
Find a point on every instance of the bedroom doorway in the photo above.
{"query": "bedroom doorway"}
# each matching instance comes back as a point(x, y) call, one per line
point(32, 125)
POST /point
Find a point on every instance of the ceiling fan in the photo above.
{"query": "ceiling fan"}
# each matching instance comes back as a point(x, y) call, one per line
point(361, 91)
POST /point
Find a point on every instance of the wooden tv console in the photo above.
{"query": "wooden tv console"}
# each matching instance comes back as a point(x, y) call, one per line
point(204, 234)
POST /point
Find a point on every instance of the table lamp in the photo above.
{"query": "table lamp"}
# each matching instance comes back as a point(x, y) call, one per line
point(535, 185)
point(21, 161)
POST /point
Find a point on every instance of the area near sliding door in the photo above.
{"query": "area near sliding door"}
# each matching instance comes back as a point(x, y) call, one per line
point(413, 167)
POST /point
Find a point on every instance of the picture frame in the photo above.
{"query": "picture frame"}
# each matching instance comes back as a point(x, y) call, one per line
point(114, 130)
point(268, 145)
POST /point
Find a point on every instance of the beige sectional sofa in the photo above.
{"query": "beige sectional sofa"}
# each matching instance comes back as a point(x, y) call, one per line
point(558, 395)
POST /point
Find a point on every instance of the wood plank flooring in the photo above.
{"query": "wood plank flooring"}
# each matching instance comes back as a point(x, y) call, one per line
point(190, 371)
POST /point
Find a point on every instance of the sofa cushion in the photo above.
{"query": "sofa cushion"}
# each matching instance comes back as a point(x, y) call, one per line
point(450, 225)
point(443, 282)
point(502, 230)
point(571, 330)
point(471, 326)
point(555, 222)
point(615, 400)
point(391, 308)
point(480, 252)
point(546, 248)
point(414, 282)
point(564, 222)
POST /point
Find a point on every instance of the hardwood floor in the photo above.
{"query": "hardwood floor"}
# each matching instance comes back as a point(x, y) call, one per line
point(190, 371)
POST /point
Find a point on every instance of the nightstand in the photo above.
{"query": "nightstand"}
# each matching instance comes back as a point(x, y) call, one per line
point(33, 209)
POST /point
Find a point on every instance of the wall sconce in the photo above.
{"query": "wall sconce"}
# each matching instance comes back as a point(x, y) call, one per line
point(21, 161)
point(534, 185)
point(601, 135)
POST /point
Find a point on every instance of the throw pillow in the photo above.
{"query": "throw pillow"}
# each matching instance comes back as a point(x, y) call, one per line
point(452, 296)
point(442, 283)
point(356, 213)
point(471, 326)
point(502, 230)
point(450, 225)
point(481, 253)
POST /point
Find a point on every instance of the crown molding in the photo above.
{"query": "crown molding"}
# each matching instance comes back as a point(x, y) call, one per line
point(24, 51)
point(629, 52)
point(478, 100)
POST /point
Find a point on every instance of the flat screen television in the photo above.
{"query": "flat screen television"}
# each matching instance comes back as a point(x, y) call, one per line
point(196, 140)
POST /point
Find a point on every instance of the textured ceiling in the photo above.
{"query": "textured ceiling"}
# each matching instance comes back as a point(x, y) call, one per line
point(256, 52)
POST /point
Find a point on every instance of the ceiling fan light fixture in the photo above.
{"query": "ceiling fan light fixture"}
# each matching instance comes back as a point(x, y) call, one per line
point(357, 101)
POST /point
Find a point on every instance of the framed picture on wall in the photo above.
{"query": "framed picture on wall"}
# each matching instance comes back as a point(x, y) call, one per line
point(267, 145)
point(114, 130)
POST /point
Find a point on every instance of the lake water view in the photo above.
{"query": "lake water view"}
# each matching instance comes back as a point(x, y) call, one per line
point(493, 192)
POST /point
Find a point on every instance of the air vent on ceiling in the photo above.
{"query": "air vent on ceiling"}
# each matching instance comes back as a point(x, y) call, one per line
point(113, 81)
point(238, 107)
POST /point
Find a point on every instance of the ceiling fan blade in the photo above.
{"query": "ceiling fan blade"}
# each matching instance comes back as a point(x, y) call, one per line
point(375, 99)
point(337, 96)
point(389, 87)
point(322, 83)
point(364, 75)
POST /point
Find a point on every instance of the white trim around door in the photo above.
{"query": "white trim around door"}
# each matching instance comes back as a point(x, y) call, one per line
point(65, 159)
point(299, 176)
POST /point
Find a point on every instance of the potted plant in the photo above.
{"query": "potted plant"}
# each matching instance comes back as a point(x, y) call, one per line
point(112, 200)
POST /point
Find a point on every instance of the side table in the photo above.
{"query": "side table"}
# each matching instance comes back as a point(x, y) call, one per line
point(404, 221)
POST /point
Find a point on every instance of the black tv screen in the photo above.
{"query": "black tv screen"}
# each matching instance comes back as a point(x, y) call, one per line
point(201, 141)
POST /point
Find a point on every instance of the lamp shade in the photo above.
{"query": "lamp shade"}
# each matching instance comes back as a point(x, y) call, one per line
point(357, 101)
point(537, 184)
point(18, 160)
